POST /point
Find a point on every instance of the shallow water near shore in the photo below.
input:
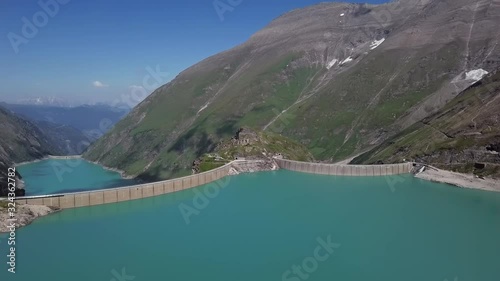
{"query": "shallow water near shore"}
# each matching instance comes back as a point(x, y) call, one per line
point(260, 225)
point(52, 176)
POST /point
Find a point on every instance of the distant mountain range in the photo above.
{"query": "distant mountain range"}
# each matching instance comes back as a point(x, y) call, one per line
point(45, 101)
point(61, 102)
point(340, 78)
point(32, 132)
point(64, 130)
point(91, 120)
point(21, 141)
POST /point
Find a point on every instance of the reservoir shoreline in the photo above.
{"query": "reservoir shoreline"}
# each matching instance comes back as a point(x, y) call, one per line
point(342, 208)
point(120, 194)
point(122, 173)
point(47, 158)
point(144, 190)
point(459, 179)
point(431, 173)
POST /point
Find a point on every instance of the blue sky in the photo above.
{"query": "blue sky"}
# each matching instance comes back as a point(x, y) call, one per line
point(99, 50)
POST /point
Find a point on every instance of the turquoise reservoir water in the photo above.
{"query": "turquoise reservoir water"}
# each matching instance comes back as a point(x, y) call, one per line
point(53, 176)
point(273, 226)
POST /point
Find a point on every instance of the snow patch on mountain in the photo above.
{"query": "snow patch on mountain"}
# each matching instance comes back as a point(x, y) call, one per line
point(332, 63)
point(476, 74)
point(349, 59)
point(45, 101)
point(203, 108)
point(376, 43)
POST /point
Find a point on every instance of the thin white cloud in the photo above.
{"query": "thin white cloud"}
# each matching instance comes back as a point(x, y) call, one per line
point(99, 84)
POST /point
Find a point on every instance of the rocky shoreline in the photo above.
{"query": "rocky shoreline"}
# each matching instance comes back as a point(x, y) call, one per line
point(122, 173)
point(459, 180)
point(25, 214)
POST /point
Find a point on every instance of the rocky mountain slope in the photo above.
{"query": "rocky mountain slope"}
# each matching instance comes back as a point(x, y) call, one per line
point(21, 141)
point(337, 77)
point(463, 136)
point(248, 144)
point(66, 139)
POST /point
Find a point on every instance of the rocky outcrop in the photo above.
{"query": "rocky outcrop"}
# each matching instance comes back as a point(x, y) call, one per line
point(25, 214)
point(239, 167)
point(245, 136)
point(4, 188)
point(257, 147)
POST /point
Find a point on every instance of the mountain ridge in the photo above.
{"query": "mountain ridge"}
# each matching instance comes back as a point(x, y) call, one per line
point(368, 71)
point(21, 141)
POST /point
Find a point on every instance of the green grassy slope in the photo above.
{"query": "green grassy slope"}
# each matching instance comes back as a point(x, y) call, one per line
point(280, 81)
point(346, 115)
point(171, 133)
point(167, 135)
point(254, 145)
point(21, 141)
point(466, 131)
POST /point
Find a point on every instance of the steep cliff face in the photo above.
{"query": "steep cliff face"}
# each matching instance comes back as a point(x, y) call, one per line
point(21, 141)
point(463, 136)
point(336, 77)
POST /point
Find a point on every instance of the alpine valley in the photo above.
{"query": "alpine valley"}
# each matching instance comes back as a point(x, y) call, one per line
point(338, 78)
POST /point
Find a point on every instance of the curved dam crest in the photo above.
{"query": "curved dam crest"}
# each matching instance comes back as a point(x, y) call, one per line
point(345, 170)
point(121, 194)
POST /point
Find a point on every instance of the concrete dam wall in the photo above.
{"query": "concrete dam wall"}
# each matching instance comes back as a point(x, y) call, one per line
point(105, 196)
point(345, 170)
